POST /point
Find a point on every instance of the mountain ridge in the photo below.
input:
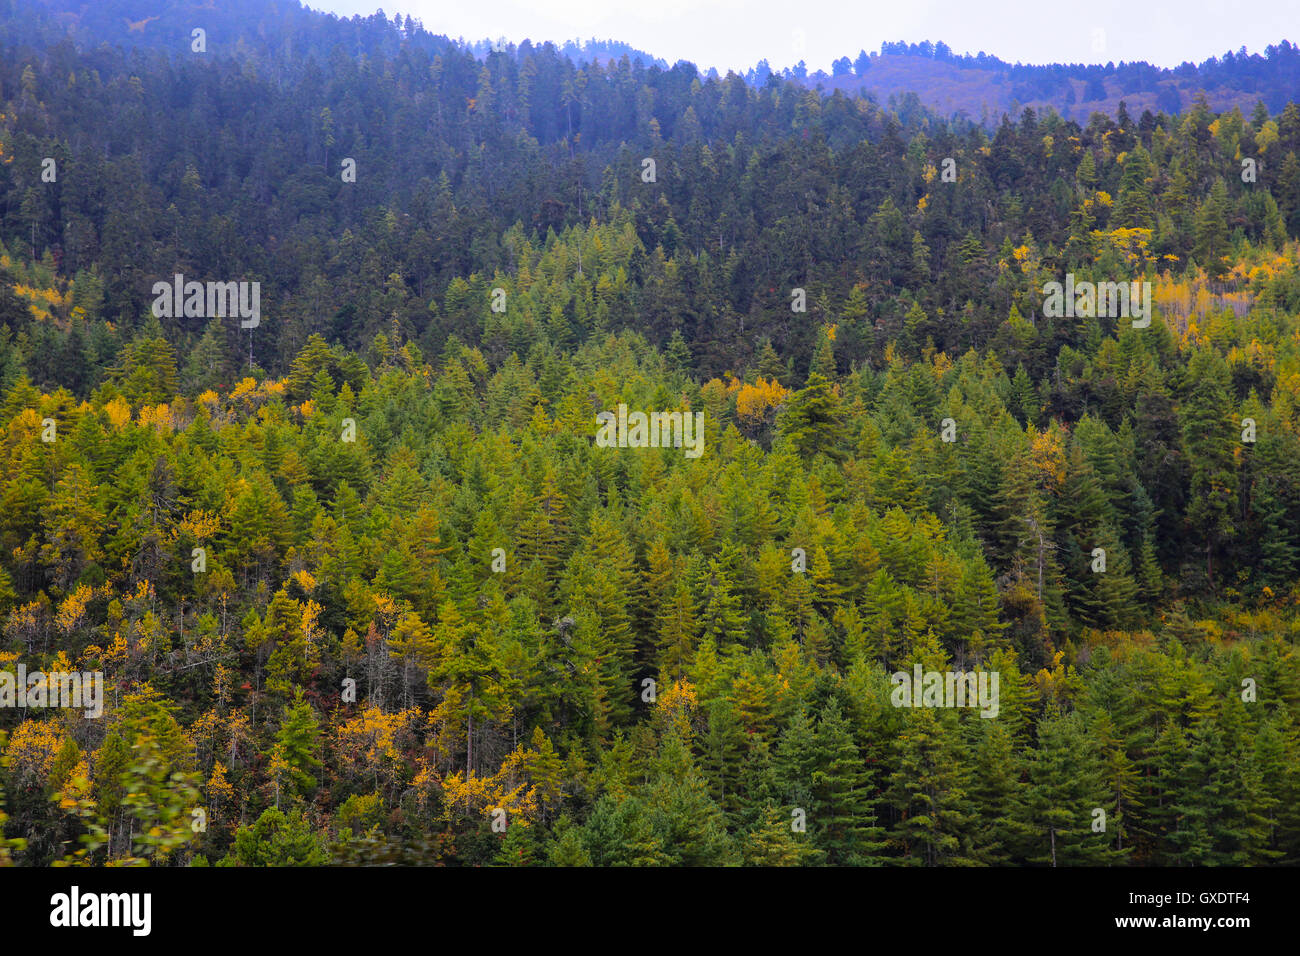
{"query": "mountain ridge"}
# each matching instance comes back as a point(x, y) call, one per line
point(977, 86)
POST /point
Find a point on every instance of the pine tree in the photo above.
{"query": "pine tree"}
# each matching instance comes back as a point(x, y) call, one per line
point(678, 354)
point(1211, 244)
point(567, 849)
point(147, 373)
point(775, 842)
point(843, 808)
point(721, 616)
point(928, 792)
point(207, 366)
point(690, 824)
point(622, 833)
point(996, 791)
point(823, 359)
point(721, 748)
point(276, 839)
point(1121, 779)
point(518, 846)
point(677, 632)
point(315, 358)
point(1208, 433)
point(298, 742)
point(1134, 208)
point(1024, 402)
point(769, 363)
point(793, 761)
point(601, 579)
point(811, 420)
point(1065, 788)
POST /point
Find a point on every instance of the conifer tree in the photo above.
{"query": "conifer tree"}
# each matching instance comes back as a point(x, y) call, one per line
point(298, 742)
point(842, 790)
point(928, 792)
point(1064, 788)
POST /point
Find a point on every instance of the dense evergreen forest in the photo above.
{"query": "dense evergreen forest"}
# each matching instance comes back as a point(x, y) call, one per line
point(984, 85)
point(364, 586)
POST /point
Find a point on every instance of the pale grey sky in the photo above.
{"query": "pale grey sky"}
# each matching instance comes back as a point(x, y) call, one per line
point(736, 34)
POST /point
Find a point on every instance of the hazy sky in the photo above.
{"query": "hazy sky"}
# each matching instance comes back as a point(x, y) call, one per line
point(737, 33)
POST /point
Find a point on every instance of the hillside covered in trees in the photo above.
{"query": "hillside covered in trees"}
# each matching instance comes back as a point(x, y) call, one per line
point(983, 86)
point(364, 586)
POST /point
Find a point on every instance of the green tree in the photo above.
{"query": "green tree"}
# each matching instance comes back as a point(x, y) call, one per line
point(298, 742)
point(812, 420)
point(276, 839)
point(1208, 438)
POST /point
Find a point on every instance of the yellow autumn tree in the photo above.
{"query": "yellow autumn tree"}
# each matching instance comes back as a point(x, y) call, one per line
point(509, 789)
point(373, 745)
point(757, 404)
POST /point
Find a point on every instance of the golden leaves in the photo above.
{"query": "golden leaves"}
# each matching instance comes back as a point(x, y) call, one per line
point(119, 413)
point(199, 525)
point(32, 748)
point(386, 609)
point(1131, 243)
point(754, 401)
point(676, 705)
point(72, 610)
point(508, 789)
point(311, 611)
point(77, 791)
point(245, 387)
point(28, 420)
point(1047, 455)
point(1058, 684)
point(373, 741)
point(27, 617)
point(40, 301)
point(157, 417)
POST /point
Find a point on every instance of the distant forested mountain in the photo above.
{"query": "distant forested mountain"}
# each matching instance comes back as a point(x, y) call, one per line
point(256, 30)
point(982, 86)
point(175, 160)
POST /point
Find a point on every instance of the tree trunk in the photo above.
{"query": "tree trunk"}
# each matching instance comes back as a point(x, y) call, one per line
point(469, 743)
